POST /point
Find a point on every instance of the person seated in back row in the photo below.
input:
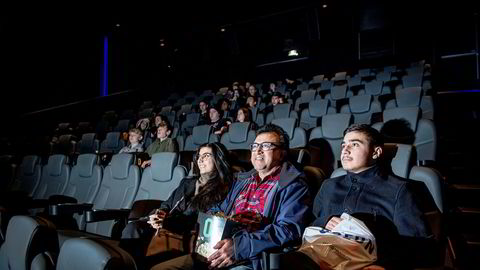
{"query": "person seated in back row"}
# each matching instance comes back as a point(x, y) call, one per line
point(135, 136)
point(162, 144)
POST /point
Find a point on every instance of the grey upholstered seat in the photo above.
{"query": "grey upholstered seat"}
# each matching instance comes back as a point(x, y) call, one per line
point(424, 129)
point(200, 135)
point(239, 136)
point(297, 135)
point(28, 175)
point(30, 243)
point(191, 121)
point(316, 109)
point(361, 107)
point(338, 92)
point(281, 111)
point(55, 177)
point(112, 143)
point(305, 97)
point(91, 253)
point(331, 131)
point(88, 144)
point(413, 97)
point(121, 179)
point(85, 180)
point(161, 177)
point(123, 125)
point(414, 80)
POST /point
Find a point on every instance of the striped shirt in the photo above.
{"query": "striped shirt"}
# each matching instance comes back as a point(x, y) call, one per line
point(252, 199)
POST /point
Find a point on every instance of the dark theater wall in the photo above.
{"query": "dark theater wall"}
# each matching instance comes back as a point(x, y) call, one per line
point(52, 57)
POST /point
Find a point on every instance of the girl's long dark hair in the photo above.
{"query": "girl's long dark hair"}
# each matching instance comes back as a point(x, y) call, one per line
point(247, 113)
point(215, 190)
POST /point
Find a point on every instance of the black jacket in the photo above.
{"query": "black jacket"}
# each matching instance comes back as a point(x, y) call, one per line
point(181, 218)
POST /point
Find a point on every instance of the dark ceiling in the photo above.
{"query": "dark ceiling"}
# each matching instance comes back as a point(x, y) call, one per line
point(52, 55)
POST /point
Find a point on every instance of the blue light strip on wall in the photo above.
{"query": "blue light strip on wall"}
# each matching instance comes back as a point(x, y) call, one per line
point(104, 82)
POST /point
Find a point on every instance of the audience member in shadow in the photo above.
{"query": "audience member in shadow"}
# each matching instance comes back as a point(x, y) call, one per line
point(210, 183)
point(321, 155)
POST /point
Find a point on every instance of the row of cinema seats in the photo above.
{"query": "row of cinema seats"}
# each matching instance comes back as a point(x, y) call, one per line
point(88, 185)
point(318, 145)
point(308, 108)
point(33, 242)
point(183, 116)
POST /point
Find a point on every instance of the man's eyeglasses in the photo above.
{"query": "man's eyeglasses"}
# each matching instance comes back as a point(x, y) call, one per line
point(205, 156)
point(265, 146)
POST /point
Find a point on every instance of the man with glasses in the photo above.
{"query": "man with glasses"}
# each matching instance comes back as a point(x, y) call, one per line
point(275, 191)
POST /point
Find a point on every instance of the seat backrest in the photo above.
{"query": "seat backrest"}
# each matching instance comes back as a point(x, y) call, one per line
point(374, 88)
point(279, 111)
point(384, 76)
point(65, 145)
point(390, 69)
point(297, 135)
point(161, 178)
point(305, 97)
point(239, 136)
point(85, 179)
point(88, 144)
point(408, 97)
point(191, 120)
point(120, 182)
point(318, 78)
point(112, 143)
point(364, 72)
point(91, 253)
point(414, 80)
point(181, 142)
point(200, 135)
point(432, 180)
point(316, 109)
point(361, 107)
point(424, 129)
point(55, 177)
point(326, 85)
point(122, 125)
point(26, 238)
point(331, 130)
point(340, 76)
point(28, 175)
point(354, 81)
point(338, 92)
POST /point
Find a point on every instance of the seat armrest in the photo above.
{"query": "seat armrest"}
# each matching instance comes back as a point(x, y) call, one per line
point(59, 199)
point(38, 203)
point(142, 208)
point(69, 208)
point(271, 257)
point(106, 214)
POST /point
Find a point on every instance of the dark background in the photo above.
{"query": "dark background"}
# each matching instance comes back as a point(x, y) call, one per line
point(51, 56)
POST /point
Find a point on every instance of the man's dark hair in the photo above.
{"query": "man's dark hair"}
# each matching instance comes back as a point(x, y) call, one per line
point(284, 139)
point(373, 136)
